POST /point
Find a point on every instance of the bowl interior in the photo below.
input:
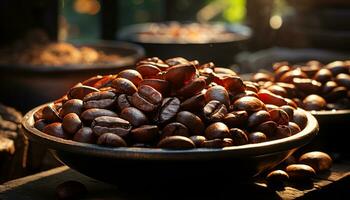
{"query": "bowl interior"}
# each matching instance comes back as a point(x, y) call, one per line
point(155, 165)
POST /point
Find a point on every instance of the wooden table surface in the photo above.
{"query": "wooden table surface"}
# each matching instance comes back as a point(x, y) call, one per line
point(41, 186)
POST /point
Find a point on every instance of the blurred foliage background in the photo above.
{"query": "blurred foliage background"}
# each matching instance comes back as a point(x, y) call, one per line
point(79, 20)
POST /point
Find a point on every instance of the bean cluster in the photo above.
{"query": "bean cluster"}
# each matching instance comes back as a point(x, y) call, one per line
point(175, 104)
point(312, 86)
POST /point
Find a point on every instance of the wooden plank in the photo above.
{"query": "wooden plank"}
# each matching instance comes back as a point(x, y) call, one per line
point(42, 186)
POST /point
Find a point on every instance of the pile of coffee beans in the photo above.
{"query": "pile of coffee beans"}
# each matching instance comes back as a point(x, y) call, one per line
point(299, 170)
point(175, 104)
point(313, 86)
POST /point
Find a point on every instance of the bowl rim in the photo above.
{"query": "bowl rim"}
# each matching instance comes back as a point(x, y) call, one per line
point(128, 33)
point(269, 147)
point(128, 60)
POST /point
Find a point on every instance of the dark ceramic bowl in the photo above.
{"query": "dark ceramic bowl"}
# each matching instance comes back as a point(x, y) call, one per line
point(27, 86)
point(156, 166)
point(222, 52)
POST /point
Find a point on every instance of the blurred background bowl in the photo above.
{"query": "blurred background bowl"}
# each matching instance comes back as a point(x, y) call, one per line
point(124, 165)
point(220, 52)
point(27, 86)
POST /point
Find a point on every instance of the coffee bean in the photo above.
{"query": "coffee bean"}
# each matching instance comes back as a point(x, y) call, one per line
point(294, 128)
point(123, 101)
point(257, 137)
point(277, 178)
point(70, 190)
point(300, 172)
point(71, 123)
point(314, 102)
point(115, 125)
point(268, 128)
point(337, 93)
point(175, 128)
point(214, 111)
point(217, 143)
point(258, 117)
point(282, 131)
point(56, 129)
point(299, 117)
point(176, 142)
point(178, 75)
point(148, 70)
point(92, 81)
point(279, 116)
point(236, 119)
point(111, 140)
point(191, 121)
point(197, 140)
point(146, 99)
point(90, 114)
point(289, 110)
point(160, 85)
point(80, 91)
point(307, 85)
point(269, 98)
point(40, 124)
point(145, 133)
point(239, 137)
point(134, 116)
point(329, 86)
point(85, 135)
point(124, 86)
point(249, 104)
point(217, 130)
point(276, 89)
point(176, 61)
point(290, 75)
point(102, 99)
point(192, 88)
point(323, 75)
point(217, 93)
point(132, 75)
point(343, 80)
point(337, 67)
point(106, 81)
point(233, 84)
point(72, 106)
point(168, 110)
point(194, 103)
point(319, 161)
point(50, 113)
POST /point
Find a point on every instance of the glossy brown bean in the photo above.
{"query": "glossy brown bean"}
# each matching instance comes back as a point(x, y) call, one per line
point(56, 129)
point(192, 122)
point(249, 104)
point(217, 130)
point(175, 128)
point(168, 110)
point(145, 133)
point(146, 99)
point(258, 117)
point(132, 75)
point(300, 172)
point(279, 116)
point(71, 123)
point(318, 160)
point(294, 128)
point(198, 140)
point(314, 102)
point(178, 75)
point(89, 115)
point(192, 88)
point(134, 116)
point(299, 117)
point(269, 98)
point(176, 142)
point(256, 137)
point(160, 85)
point(217, 93)
point(236, 119)
point(111, 140)
point(194, 103)
point(102, 99)
point(50, 113)
point(217, 143)
point(239, 137)
point(115, 125)
point(80, 91)
point(214, 111)
point(323, 75)
point(124, 86)
point(85, 135)
point(72, 106)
